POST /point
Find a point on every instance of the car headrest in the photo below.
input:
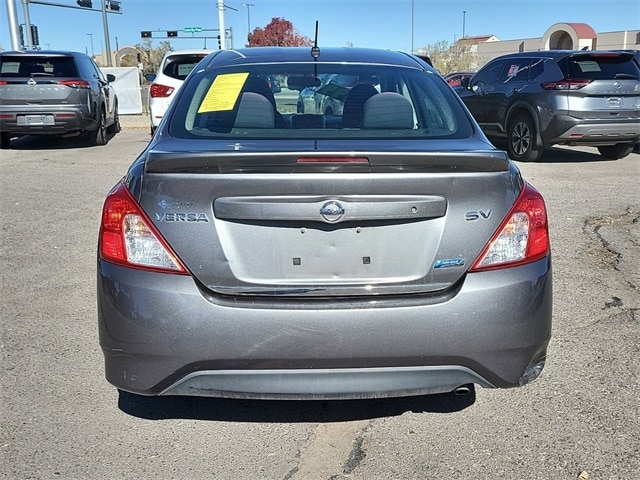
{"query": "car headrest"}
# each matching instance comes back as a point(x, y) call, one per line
point(388, 110)
point(254, 111)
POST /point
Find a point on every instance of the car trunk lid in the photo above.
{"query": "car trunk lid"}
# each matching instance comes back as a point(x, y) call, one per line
point(290, 224)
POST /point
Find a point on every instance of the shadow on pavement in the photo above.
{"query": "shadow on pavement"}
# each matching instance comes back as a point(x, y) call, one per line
point(53, 142)
point(287, 411)
point(564, 154)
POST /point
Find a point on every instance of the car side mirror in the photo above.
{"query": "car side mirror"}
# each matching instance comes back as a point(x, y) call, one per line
point(149, 77)
point(111, 77)
point(464, 82)
point(478, 88)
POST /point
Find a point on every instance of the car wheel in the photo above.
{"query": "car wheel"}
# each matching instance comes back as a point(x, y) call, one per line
point(99, 135)
point(5, 141)
point(614, 152)
point(522, 140)
point(115, 127)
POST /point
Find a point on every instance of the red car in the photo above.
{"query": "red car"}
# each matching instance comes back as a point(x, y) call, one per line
point(455, 78)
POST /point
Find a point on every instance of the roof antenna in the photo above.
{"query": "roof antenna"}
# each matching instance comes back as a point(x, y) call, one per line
point(315, 50)
point(315, 53)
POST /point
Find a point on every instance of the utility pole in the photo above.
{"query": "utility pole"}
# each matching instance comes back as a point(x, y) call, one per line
point(27, 24)
point(14, 28)
point(223, 31)
point(106, 32)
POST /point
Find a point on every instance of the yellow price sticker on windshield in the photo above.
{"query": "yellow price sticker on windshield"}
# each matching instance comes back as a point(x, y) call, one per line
point(223, 92)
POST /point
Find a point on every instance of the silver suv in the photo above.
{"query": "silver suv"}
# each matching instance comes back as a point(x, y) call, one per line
point(55, 93)
point(539, 99)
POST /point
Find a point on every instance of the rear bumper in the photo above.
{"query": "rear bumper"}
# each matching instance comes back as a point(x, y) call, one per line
point(57, 121)
point(568, 130)
point(161, 335)
point(157, 109)
point(328, 383)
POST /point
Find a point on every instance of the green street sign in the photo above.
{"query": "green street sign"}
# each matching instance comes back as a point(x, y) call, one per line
point(192, 29)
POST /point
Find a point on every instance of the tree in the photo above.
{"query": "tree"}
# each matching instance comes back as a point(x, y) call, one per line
point(451, 58)
point(149, 57)
point(279, 33)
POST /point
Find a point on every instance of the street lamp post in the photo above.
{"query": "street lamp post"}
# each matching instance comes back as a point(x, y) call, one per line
point(248, 5)
point(412, 22)
point(92, 52)
point(464, 18)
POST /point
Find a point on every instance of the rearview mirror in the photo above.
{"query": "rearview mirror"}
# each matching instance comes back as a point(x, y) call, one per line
point(300, 83)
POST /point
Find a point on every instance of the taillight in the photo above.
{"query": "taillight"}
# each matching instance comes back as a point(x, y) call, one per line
point(74, 83)
point(567, 84)
point(522, 238)
point(157, 90)
point(128, 237)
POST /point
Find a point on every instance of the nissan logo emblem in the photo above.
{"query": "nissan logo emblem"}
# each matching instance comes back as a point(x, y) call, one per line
point(332, 211)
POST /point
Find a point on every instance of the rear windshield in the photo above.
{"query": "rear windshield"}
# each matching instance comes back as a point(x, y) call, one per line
point(606, 66)
point(180, 66)
point(321, 101)
point(32, 66)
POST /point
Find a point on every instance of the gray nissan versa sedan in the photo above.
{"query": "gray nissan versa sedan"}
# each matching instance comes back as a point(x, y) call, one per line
point(251, 251)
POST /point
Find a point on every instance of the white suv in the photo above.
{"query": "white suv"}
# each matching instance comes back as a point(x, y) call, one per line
point(174, 68)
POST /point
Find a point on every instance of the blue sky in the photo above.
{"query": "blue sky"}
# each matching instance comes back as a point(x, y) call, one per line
point(363, 23)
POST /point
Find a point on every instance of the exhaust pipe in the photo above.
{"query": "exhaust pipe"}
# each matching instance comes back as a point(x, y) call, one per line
point(462, 390)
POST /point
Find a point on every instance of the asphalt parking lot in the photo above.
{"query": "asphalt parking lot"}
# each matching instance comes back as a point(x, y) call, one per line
point(61, 419)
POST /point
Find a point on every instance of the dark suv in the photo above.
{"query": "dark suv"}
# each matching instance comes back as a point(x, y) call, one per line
point(55, 93)
point(539, 99)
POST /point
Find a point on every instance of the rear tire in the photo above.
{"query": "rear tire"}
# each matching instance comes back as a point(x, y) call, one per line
point(98, 137)
point(5, 141)
point(521, 136)
point(617, 151)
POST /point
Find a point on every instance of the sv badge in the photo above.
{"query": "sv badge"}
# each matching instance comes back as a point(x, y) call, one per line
point(472, 215)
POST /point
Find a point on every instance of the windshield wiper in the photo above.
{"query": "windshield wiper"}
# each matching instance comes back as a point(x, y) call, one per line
point(626, 75)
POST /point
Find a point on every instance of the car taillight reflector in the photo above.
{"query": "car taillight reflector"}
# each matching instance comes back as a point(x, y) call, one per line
point(157, 90)
point(128, 237)
point(522, 238)
point(567, 84)
point(75, 83)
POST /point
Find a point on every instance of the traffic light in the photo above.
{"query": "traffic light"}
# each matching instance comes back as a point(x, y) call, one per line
point(34, 36)
point(84, 3)
point(172, 33)
point(113, 6)
point(145, 34)
point(219, 43)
